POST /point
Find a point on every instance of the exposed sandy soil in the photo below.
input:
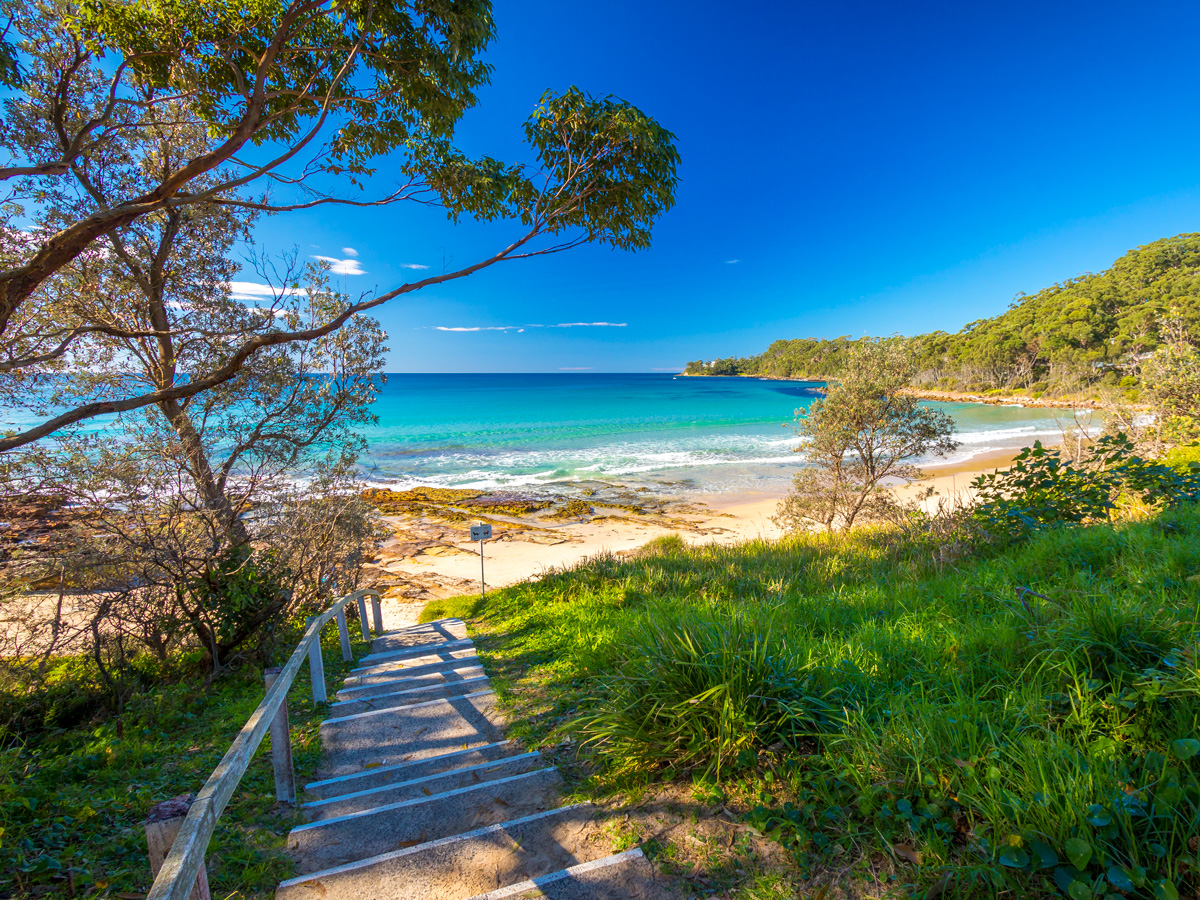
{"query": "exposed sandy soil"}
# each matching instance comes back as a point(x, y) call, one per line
point(431, 556)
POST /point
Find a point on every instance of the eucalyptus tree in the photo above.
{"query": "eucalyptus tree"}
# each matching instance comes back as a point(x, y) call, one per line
point(306, 98)
point(193, 523)
point(192, 519)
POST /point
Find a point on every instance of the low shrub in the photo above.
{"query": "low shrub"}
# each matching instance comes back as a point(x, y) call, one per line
point(1044, 489)
point(1182, 459)
point(450, 608)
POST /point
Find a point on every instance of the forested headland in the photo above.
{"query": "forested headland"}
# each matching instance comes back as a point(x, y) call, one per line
point(1078, 335)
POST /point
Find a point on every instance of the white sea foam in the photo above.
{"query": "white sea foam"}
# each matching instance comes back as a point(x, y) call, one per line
point(712, 458)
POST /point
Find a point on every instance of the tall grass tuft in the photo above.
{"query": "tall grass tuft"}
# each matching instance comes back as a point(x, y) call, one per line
point(704, 689)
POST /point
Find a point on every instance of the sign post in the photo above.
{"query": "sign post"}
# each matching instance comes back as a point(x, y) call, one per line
point(481, 533)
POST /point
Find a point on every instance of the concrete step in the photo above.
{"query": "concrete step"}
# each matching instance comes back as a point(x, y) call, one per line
point(463, 865)
point(423, 687)
point(399, 734)
point(412, 635)
point(456, 669)
point(392, 826)
point(623, 876)
point(415, 657)
point(364, 682)
point(412, 789)
point(376, 776)
point(374, 659)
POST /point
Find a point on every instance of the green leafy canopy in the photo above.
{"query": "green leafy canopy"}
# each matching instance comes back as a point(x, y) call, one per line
point(385, 72)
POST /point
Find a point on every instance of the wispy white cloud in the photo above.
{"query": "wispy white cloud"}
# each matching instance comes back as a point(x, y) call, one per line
point(250, 290)
point(412, 266)
point(667, 369)
point(473, 327)
point(575, 368)
point(520, 328)
point(730, 262)
point(584, 325)
point(342, 266)
point(349, 251)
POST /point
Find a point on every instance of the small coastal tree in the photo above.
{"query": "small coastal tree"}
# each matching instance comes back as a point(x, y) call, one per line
point(863, 432)
point(1172, 380)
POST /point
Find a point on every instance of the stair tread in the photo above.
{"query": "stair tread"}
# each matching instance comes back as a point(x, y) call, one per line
point(383, 681)
point(413, 660)
point(430, 690)
point(415, 788)
point(412, 635)
point(370, 832)
point(397, 735)
point(622, 876)
point(480, 691)
point(462, 865)
point(443, 762)
point(374, 658)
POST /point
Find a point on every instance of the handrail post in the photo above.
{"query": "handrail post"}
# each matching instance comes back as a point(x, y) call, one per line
point(344, 634)
point(377, 613)
point(316, 667)
point(162, 827)
point(362, 617)
point(281, 746)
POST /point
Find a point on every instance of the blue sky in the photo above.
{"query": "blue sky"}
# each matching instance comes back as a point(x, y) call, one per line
point(848, 168)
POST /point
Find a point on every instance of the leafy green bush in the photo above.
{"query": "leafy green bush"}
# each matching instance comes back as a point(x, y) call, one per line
point(71, 693)
point(240, 593)
point(1183, 458)
point(1043, 489)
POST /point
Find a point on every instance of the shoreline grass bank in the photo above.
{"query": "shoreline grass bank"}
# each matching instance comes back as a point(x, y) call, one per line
point(1025, 720)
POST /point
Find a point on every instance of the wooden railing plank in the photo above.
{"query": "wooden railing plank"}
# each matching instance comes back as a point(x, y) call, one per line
point(180, 868)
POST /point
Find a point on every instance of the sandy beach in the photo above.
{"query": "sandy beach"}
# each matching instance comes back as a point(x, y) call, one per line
point(429, 558)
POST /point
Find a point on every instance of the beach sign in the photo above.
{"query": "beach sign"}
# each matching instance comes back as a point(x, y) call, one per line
point(481, 532)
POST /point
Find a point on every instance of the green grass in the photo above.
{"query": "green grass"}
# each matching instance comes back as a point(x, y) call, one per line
point(451, 608)
point(1025, 721)
point(73, 800)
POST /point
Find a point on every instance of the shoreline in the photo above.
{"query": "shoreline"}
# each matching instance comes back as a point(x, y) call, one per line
point(1021, 400)
point(429, 558)
point(1004, 400)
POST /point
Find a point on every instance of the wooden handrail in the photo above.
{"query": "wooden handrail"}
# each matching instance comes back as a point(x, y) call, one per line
point(179, 869)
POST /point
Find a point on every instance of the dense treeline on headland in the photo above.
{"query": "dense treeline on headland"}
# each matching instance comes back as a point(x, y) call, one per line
point(1095, 328)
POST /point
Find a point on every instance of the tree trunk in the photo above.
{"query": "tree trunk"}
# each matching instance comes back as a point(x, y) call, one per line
point(214, 498)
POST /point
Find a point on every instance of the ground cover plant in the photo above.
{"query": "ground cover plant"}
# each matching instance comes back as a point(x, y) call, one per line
point(76, 782)
point(1022, 719)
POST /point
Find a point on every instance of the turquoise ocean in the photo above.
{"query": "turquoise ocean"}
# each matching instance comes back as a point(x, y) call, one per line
point(521, 431)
